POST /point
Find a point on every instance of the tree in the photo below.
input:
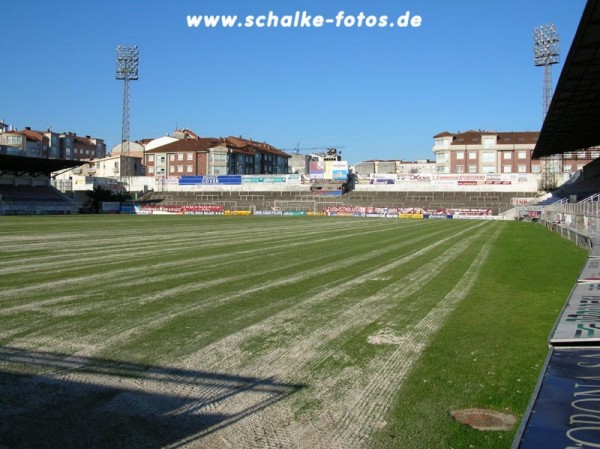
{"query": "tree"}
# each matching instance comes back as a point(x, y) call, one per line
point(100, 195)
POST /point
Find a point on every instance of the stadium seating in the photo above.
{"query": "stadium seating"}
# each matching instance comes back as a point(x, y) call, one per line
point(312, 202)
point(22, 199)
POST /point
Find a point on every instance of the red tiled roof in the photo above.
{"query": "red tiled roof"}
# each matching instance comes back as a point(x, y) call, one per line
point(473, 137)
point(202, 144)
point(235, 144)
point(83, 140)
point(34, 136)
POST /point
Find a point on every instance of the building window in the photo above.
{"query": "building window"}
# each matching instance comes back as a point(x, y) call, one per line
point(488, 142)
point(568, 155)
point(13, 140)
point(150, 170)
point(460, 156)
point(150, 158)
point(172, 169)
point(218, 157)
point(161, 159)
point(488, 156)
point(472, 155)
point(180, 168)
point(507, 156)
point(595, 154)
point(189, 169)
point(190, 156)
point(440, 157)
point(172, 157)
point(472, 168)
point(522, 168)
point(507, 169)
point(179, 156)
point(522, 154)
point(535, 169)
point(442, 143)
point(460, 169)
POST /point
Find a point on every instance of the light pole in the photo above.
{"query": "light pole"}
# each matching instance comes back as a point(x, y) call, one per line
point(546, 54)
point(127, 70)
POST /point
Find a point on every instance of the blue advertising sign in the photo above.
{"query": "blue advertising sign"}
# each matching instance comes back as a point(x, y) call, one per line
point(565, 412)
point(228, 180)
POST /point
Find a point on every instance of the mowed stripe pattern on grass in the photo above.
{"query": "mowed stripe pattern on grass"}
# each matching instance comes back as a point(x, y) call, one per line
point(289, 300)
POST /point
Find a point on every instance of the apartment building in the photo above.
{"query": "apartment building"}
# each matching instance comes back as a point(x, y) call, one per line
point(193, 156)
point(79, 148)
point(499, 152)
point(52, 145)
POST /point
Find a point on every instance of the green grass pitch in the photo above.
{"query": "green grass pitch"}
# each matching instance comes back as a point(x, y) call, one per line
point(299, 332)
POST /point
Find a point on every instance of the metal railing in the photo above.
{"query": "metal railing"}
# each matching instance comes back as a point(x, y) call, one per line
point(583, 217)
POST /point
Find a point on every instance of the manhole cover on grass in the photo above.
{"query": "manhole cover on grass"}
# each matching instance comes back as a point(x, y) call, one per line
point(485, 419)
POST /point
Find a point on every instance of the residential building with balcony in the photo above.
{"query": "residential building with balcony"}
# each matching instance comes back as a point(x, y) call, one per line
point(80, 148)
point(194, 156)
point(51, 145)
point(487, 152)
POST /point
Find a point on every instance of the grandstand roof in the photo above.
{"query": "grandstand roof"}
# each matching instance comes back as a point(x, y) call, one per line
point(34, 165)
point(572, 120)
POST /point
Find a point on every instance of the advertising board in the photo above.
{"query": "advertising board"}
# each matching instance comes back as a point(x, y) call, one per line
point(579, 321)
point(565, 411)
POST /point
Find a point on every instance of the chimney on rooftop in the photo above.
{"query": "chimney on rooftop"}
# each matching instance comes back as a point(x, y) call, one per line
point(28, 128)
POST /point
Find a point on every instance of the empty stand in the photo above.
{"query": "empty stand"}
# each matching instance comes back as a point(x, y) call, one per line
point(307, 201)
point(21, 199)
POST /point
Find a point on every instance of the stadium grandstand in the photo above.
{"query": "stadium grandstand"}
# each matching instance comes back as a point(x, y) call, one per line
point(564, 409)
point(311, 201)
point(25, 187)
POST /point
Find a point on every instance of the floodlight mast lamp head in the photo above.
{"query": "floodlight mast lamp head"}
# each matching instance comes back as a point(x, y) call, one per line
point(127, 62)
point(545, 45)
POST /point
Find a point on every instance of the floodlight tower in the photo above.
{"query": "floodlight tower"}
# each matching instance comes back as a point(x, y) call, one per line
point(546, 54)
point(127, 70)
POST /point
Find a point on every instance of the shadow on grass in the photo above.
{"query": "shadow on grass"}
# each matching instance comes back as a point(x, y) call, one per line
point(56, 400)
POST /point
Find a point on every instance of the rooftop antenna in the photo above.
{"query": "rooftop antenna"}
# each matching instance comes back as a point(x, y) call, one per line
point(127, 70)
point(546, 54)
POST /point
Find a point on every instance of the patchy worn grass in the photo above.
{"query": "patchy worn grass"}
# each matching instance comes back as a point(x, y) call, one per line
point(490, 352)
point(271, 331)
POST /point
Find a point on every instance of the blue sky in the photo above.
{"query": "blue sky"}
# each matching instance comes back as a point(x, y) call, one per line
point(380, 93)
